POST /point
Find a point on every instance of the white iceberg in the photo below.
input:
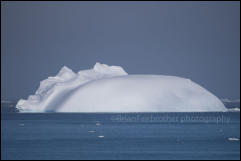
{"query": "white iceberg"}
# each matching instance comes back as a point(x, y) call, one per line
point(110, 89)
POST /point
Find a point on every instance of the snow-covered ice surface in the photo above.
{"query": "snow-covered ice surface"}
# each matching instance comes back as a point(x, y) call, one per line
point(110, 89)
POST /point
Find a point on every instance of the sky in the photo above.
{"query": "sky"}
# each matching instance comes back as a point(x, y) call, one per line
point(195, 40)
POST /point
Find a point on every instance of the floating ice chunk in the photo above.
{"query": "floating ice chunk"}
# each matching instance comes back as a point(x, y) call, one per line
point(101, 136)
point(233, 139)
point(110, 89)
point(234, 110)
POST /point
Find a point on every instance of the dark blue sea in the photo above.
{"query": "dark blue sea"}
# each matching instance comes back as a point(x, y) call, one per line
point(120, 136)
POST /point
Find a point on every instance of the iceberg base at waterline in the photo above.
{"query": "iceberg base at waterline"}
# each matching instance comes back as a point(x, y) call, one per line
point(110, 89)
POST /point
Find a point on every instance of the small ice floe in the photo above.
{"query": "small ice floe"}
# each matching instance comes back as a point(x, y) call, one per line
point(234, 110)
point(98, 124)
point(91, 131)
point(21, 124)
point(101, 136)
point(233, 139)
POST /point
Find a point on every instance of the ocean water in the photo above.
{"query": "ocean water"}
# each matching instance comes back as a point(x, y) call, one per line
point(120, 136)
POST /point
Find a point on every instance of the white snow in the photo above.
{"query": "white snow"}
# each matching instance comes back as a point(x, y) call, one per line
point(110, 89)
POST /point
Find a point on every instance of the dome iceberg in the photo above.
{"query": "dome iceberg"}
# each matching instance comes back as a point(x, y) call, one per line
point(110, 89)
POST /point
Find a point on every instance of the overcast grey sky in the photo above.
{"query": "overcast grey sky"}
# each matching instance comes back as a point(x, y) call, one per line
point(196, 40)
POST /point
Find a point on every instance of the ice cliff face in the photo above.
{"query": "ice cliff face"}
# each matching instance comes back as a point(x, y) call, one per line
point(110, 89)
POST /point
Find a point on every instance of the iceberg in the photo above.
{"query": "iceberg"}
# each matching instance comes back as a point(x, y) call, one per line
point(110, 89)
